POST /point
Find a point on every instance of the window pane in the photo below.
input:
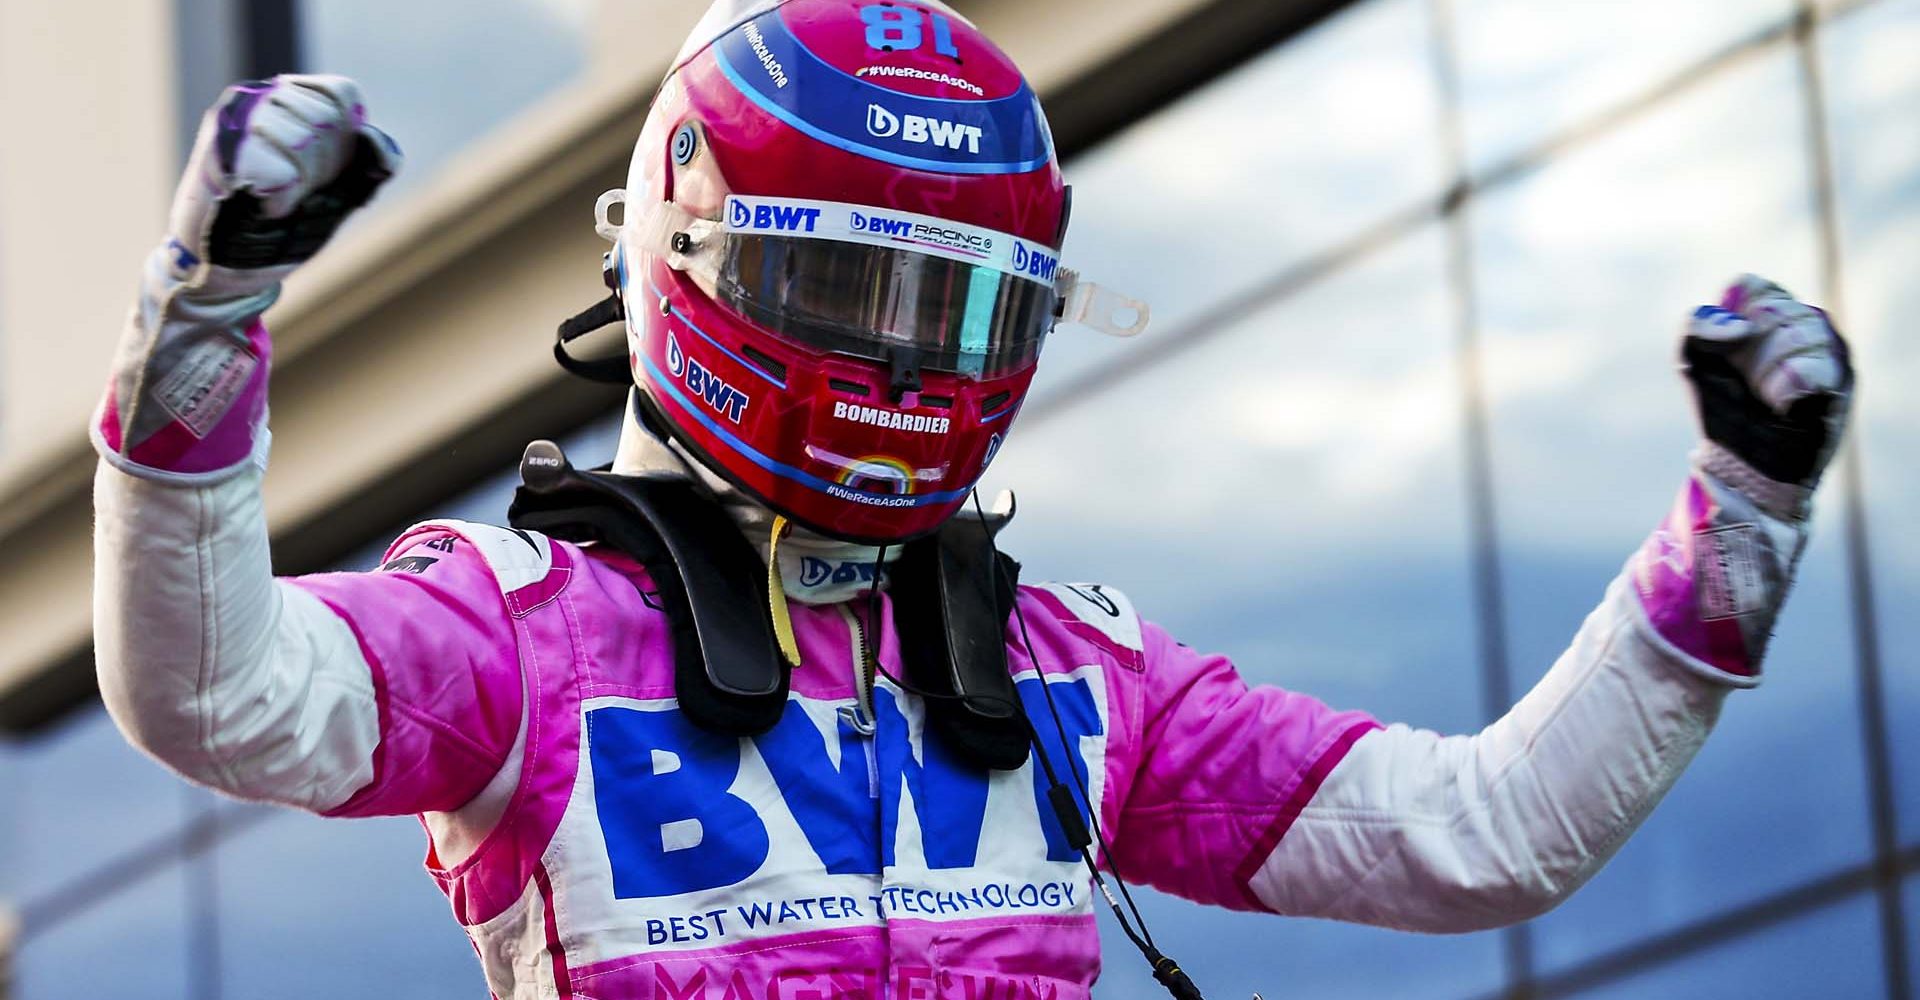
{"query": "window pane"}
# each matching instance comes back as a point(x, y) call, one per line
point(1531, 70)
point(1913, 914)
point(298, 893)
point(133, 944)
point(437, 74)
point(13, 826)
point(82, 798)
point(1874, 96)
point(1289, 494)
point(1279, 492)
point(1834, 952)
point(1305, 146)
point(1587, 271)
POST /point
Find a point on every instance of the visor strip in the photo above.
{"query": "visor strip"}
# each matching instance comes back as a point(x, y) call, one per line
point(799, 218)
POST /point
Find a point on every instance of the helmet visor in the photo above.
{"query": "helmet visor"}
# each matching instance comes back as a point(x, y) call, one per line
point(872, 302)
point(873, 282)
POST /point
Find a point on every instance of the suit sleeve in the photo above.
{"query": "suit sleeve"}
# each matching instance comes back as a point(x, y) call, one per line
point(347, 694)
point(1264, 799)
point(1224, 770)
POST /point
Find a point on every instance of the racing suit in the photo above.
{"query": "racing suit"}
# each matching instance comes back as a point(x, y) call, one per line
point(516, 692)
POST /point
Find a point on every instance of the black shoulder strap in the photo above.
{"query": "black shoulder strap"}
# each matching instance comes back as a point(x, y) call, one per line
point(728, 674)
point(952, 596)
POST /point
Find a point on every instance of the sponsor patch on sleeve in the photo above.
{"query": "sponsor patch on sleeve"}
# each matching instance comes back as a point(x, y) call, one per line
point(203, 386)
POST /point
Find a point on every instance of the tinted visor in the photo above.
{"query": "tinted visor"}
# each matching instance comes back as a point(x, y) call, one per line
point(871, 301)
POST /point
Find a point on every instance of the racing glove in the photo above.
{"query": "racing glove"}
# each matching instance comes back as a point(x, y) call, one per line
point(1772, 383)
point(277, 166)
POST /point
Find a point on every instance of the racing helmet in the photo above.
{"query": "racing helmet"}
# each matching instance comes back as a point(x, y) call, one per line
point(838, 258)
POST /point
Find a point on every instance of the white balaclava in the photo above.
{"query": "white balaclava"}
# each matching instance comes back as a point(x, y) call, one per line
point(813, 569)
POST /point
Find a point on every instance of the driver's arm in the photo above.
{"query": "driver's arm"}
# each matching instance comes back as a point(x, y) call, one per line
point(1260, 799)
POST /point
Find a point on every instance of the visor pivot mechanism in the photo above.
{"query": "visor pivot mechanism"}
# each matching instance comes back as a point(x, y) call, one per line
point(603, 223)
point(905, 377)
point(681, 242)
point(1100, 309)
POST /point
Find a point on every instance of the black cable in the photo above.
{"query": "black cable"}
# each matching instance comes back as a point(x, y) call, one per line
point(1165, 970)
point(1020, 713)
point(873, 657)
point(1081, 782)
point(1067, 815)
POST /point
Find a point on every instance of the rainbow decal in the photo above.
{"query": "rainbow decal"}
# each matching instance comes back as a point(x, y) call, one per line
point(878, 474)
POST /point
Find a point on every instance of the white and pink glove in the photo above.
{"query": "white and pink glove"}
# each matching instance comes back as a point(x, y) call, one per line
point(277, 166)
point(1772, 383)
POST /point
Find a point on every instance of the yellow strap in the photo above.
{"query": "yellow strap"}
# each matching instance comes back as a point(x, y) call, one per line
point(777, 596)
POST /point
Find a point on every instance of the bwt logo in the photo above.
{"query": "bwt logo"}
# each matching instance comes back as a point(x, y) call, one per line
point(1036, 263)
point(676, 361)
point(884, 124)
point(708, 387)
point(771, 218)
point(655, 774)
point(879, 225)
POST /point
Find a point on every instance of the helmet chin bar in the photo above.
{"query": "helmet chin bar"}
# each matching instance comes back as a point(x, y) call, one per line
point(645, 411)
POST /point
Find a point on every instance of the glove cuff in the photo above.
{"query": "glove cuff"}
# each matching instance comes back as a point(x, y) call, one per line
point(1712, 577)
point(1785, 501)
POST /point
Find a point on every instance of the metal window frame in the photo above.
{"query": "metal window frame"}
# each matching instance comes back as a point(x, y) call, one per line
point(1131, 82)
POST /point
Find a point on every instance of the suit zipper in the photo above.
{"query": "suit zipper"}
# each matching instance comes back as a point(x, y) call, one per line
point(860, 715)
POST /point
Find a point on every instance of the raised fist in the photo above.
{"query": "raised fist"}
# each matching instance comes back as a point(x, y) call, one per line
point(1772, 379)
point(277, 166)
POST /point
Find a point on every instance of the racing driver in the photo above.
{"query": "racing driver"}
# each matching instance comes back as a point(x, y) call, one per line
point(656, 758)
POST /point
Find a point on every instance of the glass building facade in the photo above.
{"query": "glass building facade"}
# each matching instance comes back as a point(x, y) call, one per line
point(1417, 278)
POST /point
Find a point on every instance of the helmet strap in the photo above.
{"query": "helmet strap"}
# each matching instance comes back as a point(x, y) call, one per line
point(777, 594)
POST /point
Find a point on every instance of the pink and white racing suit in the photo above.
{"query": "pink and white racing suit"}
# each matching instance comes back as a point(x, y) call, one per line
point(517, 693)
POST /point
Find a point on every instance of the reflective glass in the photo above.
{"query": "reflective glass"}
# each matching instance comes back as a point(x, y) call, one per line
point(1530, 70)
point(133, 944)
point(1290, 494)
point(1587, 271)
point(870, 301)
point(438, 74)
point(298, 892)
point(1833, 952)
point(13, 817)
point(1305, 146)
point(1913, 914)
point(1873, 87)
point(83, 797)
point(1281, 493)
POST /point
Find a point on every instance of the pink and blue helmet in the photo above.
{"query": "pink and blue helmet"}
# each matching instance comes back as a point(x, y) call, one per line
point(840, 257)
